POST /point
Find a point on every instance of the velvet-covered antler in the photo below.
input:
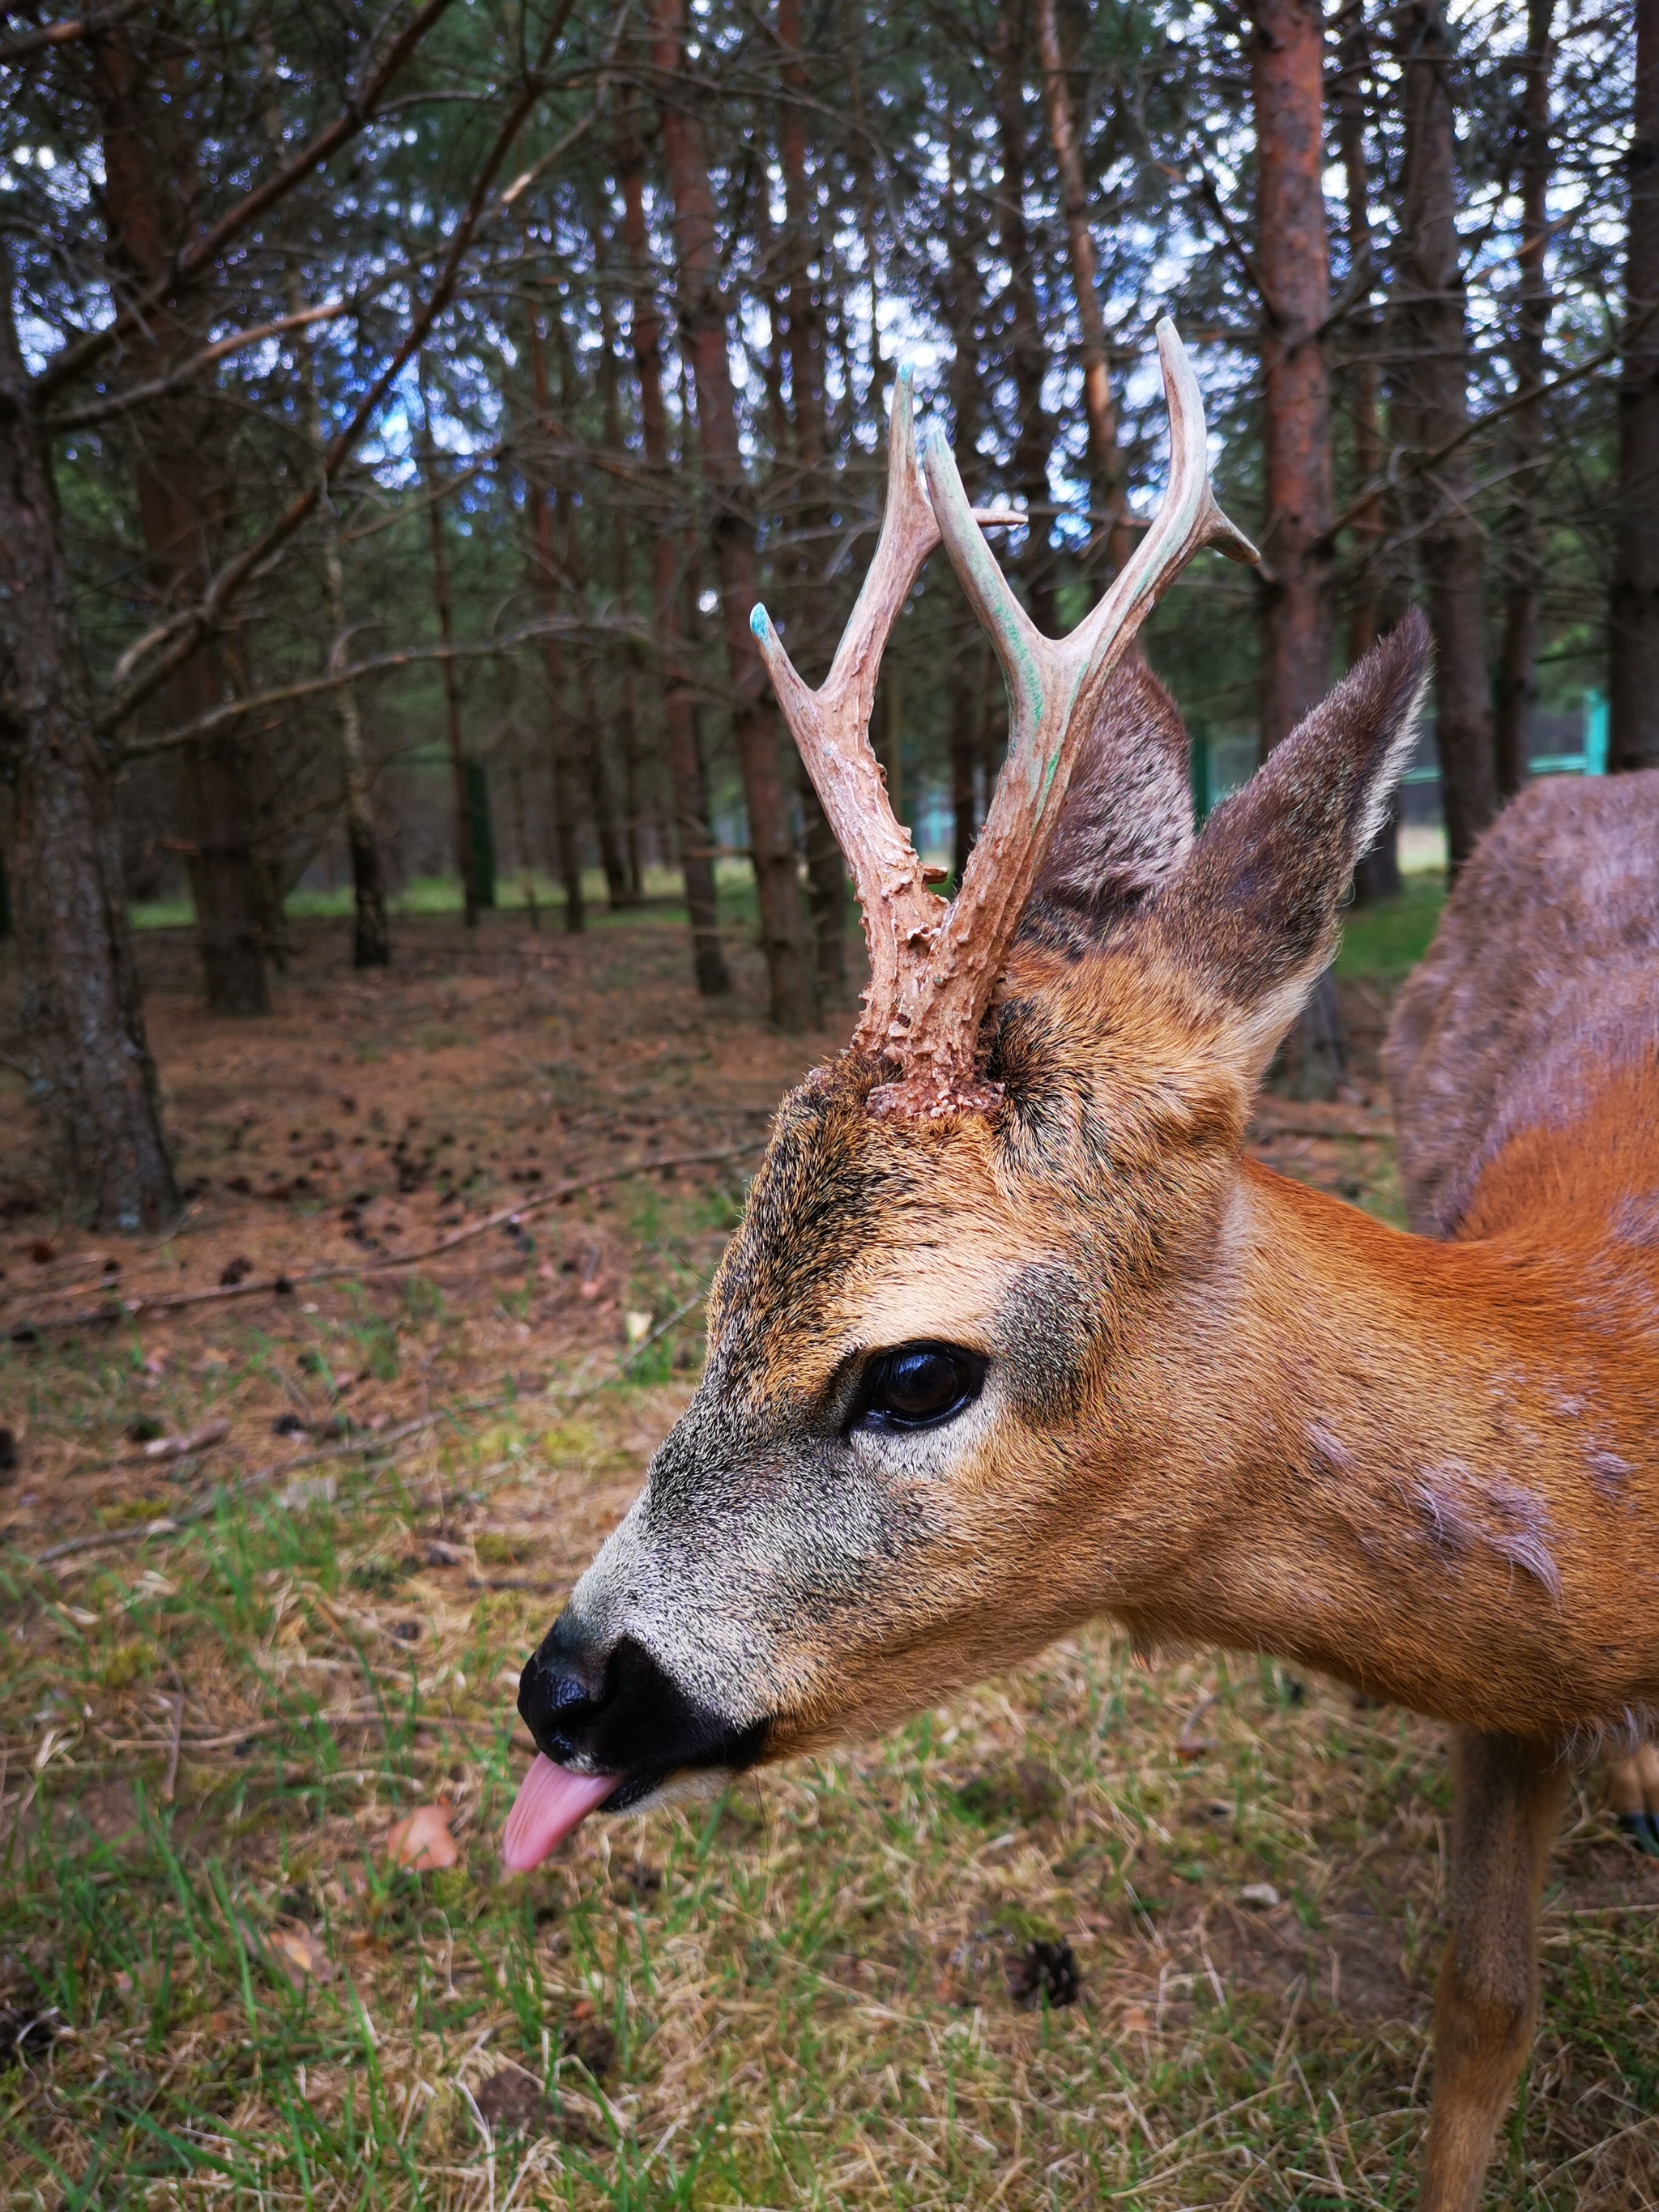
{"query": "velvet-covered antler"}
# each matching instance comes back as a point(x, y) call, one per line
point(934, 969)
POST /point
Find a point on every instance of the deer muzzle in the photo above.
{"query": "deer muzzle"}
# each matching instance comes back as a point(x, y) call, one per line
point(613, 1717)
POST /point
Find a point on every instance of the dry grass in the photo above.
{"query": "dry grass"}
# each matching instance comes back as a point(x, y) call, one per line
point(803, 1993)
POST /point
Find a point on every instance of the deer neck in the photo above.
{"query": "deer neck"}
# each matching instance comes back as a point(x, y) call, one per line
point(1420, 1466)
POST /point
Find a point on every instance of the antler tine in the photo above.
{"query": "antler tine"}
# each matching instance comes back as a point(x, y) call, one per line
point(831, 728)
point(1053, 685)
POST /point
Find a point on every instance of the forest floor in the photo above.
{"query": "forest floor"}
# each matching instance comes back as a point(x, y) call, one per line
point(272, 1556)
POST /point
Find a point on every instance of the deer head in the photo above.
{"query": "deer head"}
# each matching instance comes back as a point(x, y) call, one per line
point(945, 1415)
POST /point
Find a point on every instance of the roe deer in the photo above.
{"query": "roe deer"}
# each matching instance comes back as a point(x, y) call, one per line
point(1013, 1334)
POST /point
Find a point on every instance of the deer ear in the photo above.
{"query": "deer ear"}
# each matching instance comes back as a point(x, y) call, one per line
point(1126, 825)
point(1253, 911)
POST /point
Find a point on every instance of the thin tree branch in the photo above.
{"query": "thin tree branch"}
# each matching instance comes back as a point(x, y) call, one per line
point(99, 410)
point(188, 629)
point(381, 663)
point(200, 253)
point(64, 33)
point(284, 1285)
point(1423, 463)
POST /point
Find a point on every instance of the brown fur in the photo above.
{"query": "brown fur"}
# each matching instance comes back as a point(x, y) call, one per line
point(1544, 967)
point(1127, 822)
point(1521, 1055)
point(1216, 1404)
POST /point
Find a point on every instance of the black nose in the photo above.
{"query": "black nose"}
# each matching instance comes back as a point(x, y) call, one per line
point(617, 1712)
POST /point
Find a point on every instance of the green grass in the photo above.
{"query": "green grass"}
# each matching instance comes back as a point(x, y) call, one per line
point(1387, 941)
point(798, 1995)
point(441, 895)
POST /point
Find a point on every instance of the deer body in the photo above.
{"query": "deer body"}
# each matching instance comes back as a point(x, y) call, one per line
point(1013, 1334)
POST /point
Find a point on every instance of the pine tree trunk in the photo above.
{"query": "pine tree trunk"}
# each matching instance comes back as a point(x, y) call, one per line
point(544, 581)
point(1287, 52)
point(371, 942)
point(1026, 355)
point(693, 837)
point(371, 946)
point(623, 720)
point(703, 331)
point(601, 799)
point(1287, 49)
point(84, 1042)
point(963, 305)
point(1111, 520)
point(457, 744)
point(1377, 876)
point(1633, 611)
point(826, 871)
point(1526, 427)
point(231, 906)
point(184, 505)
point(1429, 349)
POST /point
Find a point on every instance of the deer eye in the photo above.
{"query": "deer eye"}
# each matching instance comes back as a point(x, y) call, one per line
point(918, 1385)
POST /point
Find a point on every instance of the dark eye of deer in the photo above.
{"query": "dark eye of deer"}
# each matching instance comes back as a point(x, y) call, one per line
point(918, 1385)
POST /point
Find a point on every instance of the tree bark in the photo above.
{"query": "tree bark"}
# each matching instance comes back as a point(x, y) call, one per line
point(1027, 359)
point(371, 946)
point(826, 871)
point(703, 331)
point(1111, 518)
point(1377, 876)
point(464, 844)
point(371, 942)
point(185, 503)
point(1286, 58)
point(89, 1067)
point(1526, 427)
point(1429, 379)
point(1633, 734)
point(544, 579)
point(1363, 377)
point(693, 836)
point(626, 720)
point(962, 307)
point(1286, 49)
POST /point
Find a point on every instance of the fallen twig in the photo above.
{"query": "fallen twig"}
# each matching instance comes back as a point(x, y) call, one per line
point(171, 1524)
point(285, 1286)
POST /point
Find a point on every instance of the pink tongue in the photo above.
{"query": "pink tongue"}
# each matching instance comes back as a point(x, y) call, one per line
point(550, 1802)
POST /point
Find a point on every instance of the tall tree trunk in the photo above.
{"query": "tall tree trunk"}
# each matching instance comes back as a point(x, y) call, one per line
point(826, 871)
point(1286, 54)
point(1111, 522)
point(703, 329)
point(371, 941)
point(545, 578)
point(1526, 427)
point(1287, 96)
point(371, 944)
point(590, 748)
point(1633, 609)
point(1363, 378)
point(184, 502)
point(1378, 874)
point(1027, 360)
point(464, 849)
point(89, 1062)
point(601, 799)
point(693, 836)
point(623, 718)
point(1429, 348)
point(963, 306)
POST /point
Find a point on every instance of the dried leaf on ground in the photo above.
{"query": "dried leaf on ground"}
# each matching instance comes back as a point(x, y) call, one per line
point(422, 1842)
